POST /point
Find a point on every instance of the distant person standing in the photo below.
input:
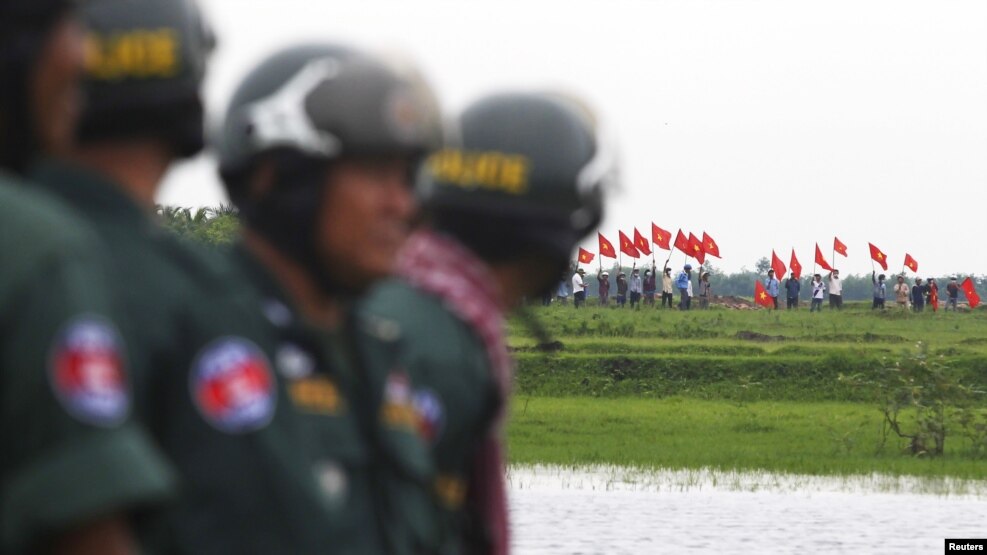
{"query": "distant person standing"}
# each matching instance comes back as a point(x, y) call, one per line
point(772, 286)
point(818, 291)
point(952, 294)
point(636, 287)
point(932, 294)
point(578, 288)
point(603, 285)
point(705, 291)
point(835, 290)
point(650, 285)
point(901, 293)
point(562, 295)
point(667, 286)
point(880, 291)
point(684, 283)
point(792, 289)
point(621, 289)
point(918, 295)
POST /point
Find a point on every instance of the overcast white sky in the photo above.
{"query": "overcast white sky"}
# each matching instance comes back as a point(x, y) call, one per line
point(768, 124)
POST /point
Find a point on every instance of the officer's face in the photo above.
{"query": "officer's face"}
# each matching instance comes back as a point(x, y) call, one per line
point(366, 213)
point(55, 85)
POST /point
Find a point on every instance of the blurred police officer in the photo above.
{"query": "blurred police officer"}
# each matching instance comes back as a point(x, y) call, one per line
point(318, 150)
point(505, 205)
point(74, 466)
point(204, 373)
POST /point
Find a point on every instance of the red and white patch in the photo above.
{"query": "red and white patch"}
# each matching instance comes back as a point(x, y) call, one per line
point(431, 413)
point(232, 385)
point(87, 371)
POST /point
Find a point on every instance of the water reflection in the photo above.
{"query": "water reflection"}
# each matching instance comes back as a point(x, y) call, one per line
point(610, 510)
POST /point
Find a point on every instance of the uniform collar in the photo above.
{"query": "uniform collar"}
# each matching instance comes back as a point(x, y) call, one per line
point(89, 192)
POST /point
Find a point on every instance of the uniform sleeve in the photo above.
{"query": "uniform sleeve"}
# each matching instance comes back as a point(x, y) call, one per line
point(70, 451)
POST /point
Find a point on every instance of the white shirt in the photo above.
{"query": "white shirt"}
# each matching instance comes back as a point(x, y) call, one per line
point(577, 283)
point(688, 290)
point(818, 290)
point(835, 286)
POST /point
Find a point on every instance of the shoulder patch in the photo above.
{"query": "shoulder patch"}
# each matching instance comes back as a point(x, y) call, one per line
point(232, 385)
point(87, 371)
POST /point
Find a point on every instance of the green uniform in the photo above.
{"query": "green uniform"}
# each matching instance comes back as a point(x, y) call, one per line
point(207, 386)
point(360, 421)
point(71, 452)
point(454, 389)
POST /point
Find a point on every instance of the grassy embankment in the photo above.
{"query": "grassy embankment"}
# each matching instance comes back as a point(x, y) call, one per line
point(732, 389)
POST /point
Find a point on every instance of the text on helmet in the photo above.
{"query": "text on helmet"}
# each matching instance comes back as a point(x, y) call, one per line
point(493, 170)
point(141, 54)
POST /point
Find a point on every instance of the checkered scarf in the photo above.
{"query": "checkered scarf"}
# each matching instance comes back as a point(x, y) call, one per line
point(440, 266)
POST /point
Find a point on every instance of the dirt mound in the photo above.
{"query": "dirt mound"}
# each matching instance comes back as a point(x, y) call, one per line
point(760, 337)
point(729, 301)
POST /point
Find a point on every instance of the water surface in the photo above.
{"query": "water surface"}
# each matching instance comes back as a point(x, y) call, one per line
point(612, 510)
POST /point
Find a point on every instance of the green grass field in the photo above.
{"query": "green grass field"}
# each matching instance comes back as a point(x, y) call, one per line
point(734, 389)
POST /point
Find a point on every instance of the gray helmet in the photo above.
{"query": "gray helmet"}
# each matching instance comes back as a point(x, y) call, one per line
point(144, 70)
point(323, 102)
point(520, 169)
point(24, 26)
point(304, 108)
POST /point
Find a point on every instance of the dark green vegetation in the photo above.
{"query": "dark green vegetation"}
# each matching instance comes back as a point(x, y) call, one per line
point(212, 226)
point(785, 391)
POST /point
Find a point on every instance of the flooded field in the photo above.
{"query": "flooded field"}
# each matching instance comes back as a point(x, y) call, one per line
point(613, 510)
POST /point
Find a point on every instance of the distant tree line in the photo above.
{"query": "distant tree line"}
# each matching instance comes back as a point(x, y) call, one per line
point(219, 226)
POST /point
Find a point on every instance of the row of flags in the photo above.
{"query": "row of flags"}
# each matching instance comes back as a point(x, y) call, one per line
point(690, 245)
point(876, 254)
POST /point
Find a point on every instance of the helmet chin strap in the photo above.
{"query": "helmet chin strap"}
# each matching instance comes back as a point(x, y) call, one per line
point(288, 217)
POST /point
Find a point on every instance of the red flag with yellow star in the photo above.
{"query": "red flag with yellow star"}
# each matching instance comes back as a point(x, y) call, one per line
point(682, 243)
point(710, 246)
point(761, 296)
point(585, 257)
point(777, 265)
point(838, 246)
point(661, 237)
point(795, 266)
point(878, 256)
point(822, 261)
point(640, 243)
point(972, 298)
point(696, 248)
point(911, 262)
point(606, 247)
point(626, 246)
